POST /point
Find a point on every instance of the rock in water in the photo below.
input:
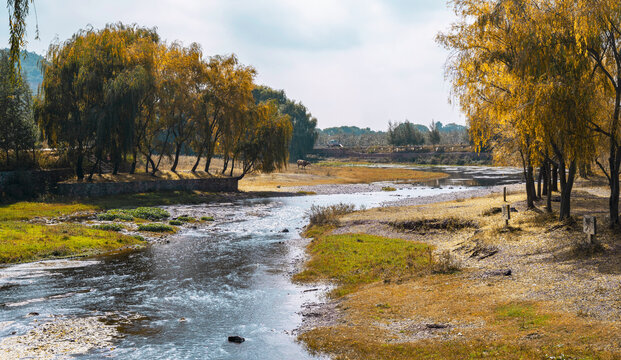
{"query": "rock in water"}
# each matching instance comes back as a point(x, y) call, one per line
point(285, 231)
point(236, 339)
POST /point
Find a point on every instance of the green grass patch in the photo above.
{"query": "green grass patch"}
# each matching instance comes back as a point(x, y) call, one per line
point(207, 218)
point(145, 213)
point(389, 188)
point(355, 259)
point(186, 219)
point(524, 315)
point(306, 193)
point(175, 222)
point(27, 210)
point(156, 227)
point(109, 227)
point(22, 242)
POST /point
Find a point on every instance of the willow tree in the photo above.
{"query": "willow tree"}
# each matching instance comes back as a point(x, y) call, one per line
point(225, 96)
point(304, 124)
point(518, 75)
point(264, 146)
point(92, 89)
point(18, 11)
point(485, 49)
point(598, 27)
point(179, 76)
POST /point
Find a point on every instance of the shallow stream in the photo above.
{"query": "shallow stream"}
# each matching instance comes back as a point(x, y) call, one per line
point(183, 298)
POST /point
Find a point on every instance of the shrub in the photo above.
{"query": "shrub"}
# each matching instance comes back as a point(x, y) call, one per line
point(175, 222)
point(109, 227)
point(328, 215)
point(150, 213)
point(156, 227)
point(446, 263)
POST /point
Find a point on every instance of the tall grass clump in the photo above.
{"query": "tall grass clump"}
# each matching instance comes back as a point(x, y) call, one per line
point(328, 215)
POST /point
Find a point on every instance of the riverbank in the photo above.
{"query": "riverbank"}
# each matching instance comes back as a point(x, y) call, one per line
point(534, 290)
point(64, 227)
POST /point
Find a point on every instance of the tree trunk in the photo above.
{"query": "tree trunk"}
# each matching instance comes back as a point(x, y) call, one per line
point(545, 169)
point(132, 168)
point(226, 165)
point(198, 160)
point(232, 167)
point(530, 188)
point(539, 179)
point(555, 178)
point(79, 168)
point(90, 176)
point(567, 183)
point(548, 187)
point(176, 162)
point(613, 200)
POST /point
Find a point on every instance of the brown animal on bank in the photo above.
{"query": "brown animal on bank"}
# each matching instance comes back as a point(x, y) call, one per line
point(303, 163)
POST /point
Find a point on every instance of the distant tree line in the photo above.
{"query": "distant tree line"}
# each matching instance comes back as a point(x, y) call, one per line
point(118, 94)
point(405, 133)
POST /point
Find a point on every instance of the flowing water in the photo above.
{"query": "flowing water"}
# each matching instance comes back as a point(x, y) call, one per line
point(186, 296)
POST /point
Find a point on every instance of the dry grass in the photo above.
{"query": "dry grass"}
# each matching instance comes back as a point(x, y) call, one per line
point(556, 304)
point(329, 174)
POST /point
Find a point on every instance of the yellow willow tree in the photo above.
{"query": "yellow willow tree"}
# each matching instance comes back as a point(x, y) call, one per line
point(519, 78)
point(598, 28)
point(264, 145)
point(179, 84)
point(92, 89)
point(225, 96)
point(485, 49)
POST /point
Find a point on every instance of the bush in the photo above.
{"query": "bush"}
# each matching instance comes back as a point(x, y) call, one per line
point(328, 215)
point(109, 227)
point(156, 227)
point(150, 213)
point(175, 222)
point(446, 263)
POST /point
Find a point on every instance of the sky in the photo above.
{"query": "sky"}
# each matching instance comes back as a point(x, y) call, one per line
point(350, 62)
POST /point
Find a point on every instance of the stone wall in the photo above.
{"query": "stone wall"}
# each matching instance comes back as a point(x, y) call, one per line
point(86, 189)
point(29, 183)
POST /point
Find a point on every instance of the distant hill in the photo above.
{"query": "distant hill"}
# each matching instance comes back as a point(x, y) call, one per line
point(30, 68)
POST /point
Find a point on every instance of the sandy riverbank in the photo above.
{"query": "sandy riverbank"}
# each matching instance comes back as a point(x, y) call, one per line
point(530, 292)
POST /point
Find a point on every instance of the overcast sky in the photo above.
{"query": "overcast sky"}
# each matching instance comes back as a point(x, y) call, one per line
point(351, 62)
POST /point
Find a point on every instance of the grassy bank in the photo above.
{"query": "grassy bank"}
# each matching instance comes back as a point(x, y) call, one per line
point(559, 301)
point(23, 242)
point(353, 260)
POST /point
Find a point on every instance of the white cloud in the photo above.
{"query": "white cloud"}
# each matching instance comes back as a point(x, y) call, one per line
point(351, 62)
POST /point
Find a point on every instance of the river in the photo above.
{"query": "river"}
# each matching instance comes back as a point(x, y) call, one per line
point(228, 278)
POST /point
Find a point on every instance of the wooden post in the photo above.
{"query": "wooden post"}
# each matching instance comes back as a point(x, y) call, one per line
point(506, 214)
point(589, 226)
point(504, 194)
